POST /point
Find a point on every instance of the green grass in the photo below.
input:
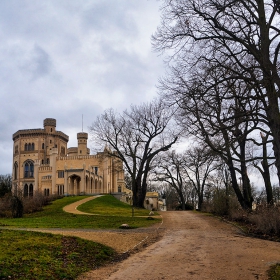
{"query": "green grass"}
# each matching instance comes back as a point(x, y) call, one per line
point(108, 205)
point(33, 255)
point(274, 272)
point(53, 216)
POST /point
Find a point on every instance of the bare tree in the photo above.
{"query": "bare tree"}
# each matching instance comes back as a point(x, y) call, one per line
point(219, 115)
point(171, 169)
point(200, 162)
point(242, 37)
point(136, 137)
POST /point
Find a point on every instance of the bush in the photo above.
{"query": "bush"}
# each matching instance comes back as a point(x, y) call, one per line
point(188, 206)
point(221, 204)
point(16, 206)
point(266, 220)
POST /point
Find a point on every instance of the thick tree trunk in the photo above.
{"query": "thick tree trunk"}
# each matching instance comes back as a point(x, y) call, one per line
point(266, 173)
point(235, 185)
point(246, 186)
point(139, 193)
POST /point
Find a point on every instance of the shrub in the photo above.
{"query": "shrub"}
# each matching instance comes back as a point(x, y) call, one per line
point(16, 206)
point(222, 204)
point(266, 220)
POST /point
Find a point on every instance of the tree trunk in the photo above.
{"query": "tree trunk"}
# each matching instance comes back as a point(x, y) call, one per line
point(246, 186)
point(139, 193)
point(266, 173)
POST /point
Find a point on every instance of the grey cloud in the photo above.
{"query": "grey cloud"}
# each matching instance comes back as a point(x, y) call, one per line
point(38, 63)
point(62, 59)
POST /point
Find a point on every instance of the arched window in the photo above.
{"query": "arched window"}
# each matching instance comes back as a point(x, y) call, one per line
point(32, 147)
point(30, 190)
point(28, 169)
point(43, 146)
point(26, 147)
point(25, 190)
point(15, 170)
point(29, 147)
point(48, 161)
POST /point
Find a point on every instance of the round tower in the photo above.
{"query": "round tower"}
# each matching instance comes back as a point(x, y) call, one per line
point(49, 125)
point(82, 144)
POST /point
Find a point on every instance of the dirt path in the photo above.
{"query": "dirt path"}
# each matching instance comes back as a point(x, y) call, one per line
point(122, 240)
point(72, 208)
point(196, 246)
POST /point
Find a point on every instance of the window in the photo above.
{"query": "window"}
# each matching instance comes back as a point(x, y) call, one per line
point(43, 146)
point(46, 192)
point(28, 169)
point(25, 190)
point(16, 149)
point(63, 150)
point(48, 161)
point(119, 189)
point(28, 190)
point(50, 141)
point(15, 170)
point(29, 147)
point(60, 174)
point(60, 189)
point(96, 170)
point(42, 161)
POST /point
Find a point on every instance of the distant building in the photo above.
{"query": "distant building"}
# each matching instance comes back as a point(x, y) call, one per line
point(42, 162)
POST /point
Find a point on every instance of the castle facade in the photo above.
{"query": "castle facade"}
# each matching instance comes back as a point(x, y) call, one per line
point(42, 162)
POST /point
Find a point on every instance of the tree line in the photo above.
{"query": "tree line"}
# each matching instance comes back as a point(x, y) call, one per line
point(220, 92)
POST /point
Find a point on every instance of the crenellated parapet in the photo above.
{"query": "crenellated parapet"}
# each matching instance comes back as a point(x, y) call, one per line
point(38, 132)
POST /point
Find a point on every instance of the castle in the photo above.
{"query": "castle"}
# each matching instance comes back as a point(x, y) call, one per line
point(43, 163)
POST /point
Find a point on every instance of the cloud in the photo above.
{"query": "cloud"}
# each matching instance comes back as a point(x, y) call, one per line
point(64, 59)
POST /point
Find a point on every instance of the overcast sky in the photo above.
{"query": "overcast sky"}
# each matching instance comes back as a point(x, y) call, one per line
point(66, 58)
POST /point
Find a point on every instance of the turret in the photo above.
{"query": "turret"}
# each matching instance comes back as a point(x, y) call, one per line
point(82, 144)
point(49, 125)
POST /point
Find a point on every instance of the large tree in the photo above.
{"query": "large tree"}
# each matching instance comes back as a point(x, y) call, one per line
point(136, 137)
point(200, 162)
point(242, 37)
point(171, 169)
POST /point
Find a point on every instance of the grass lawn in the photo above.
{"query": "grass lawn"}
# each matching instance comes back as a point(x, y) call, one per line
point(274, 272)
point(53, 216)
point(34, 255)
point(110, 206)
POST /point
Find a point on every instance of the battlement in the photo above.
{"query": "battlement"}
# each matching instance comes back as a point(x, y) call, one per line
point(38, 132)
point(50, 122)
point(82, 135)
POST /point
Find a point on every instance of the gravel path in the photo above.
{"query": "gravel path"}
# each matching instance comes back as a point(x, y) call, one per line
point(122, 240)
point(195, 247)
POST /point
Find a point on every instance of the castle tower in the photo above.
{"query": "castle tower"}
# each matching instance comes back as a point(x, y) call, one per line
point(49, 125)
point(82, 144)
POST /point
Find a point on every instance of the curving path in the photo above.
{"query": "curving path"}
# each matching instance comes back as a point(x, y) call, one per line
point(121, 240)
point(72, 208)
point(195, 247)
